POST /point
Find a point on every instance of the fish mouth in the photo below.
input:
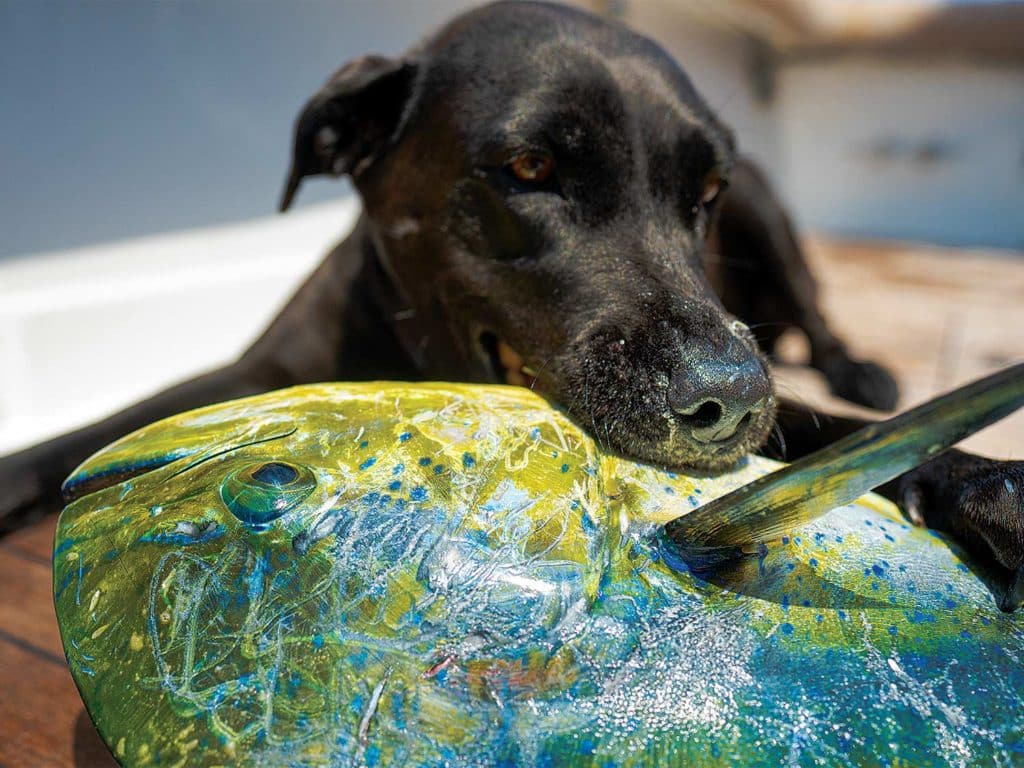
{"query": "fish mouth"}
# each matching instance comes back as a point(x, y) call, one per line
point(504, 363)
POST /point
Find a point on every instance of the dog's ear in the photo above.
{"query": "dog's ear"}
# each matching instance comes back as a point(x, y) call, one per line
point(348, 121)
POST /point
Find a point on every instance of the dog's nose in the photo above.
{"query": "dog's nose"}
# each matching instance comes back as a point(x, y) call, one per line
point(717, 398)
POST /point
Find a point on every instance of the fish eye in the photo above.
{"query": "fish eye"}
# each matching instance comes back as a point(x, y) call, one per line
point(275, 473)
point(260, 493)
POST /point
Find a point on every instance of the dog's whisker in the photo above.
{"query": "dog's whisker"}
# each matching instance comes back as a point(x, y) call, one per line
point(801, 400)
point(576, 405)
point(779, 437)
point(533, 383)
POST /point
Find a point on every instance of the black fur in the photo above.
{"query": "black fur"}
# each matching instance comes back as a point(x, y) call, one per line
point(594, 277)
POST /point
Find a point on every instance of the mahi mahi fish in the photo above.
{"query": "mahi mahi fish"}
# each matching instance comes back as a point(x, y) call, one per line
point(437, 574)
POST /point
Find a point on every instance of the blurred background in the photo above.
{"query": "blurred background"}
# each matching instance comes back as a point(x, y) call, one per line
point(144, 144)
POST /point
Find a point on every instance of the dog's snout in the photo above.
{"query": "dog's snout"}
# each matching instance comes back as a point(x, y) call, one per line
point(716, 399)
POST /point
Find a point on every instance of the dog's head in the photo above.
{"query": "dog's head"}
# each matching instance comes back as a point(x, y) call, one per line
point(539, 184)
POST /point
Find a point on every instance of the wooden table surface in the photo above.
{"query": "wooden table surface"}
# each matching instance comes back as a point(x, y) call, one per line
point(938, 318)
point(42, 720)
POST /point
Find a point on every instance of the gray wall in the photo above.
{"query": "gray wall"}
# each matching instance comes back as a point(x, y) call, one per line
point(916, 150)
point(125, 118)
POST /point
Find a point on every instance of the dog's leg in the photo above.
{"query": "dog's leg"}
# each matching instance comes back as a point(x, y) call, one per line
point(977, 500)
point(761, 274)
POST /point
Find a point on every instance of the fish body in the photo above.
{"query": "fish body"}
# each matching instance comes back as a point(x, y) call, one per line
point(437, 574)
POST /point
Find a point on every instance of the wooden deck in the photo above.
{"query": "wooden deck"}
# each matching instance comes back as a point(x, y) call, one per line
point(42, 720)
point(937, 318)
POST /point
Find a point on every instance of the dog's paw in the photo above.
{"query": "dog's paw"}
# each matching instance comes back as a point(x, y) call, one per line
point(862, 382)
point(977, 500)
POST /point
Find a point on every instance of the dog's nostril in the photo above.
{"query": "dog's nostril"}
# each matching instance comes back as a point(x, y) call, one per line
point(716, 424)
point(709, 421)
point(706, 415)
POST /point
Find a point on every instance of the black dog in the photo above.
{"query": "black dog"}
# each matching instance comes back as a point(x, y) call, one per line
point(539, 190)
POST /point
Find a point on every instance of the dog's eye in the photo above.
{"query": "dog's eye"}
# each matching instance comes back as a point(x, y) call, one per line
point(712, 188)
point(532, 167)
